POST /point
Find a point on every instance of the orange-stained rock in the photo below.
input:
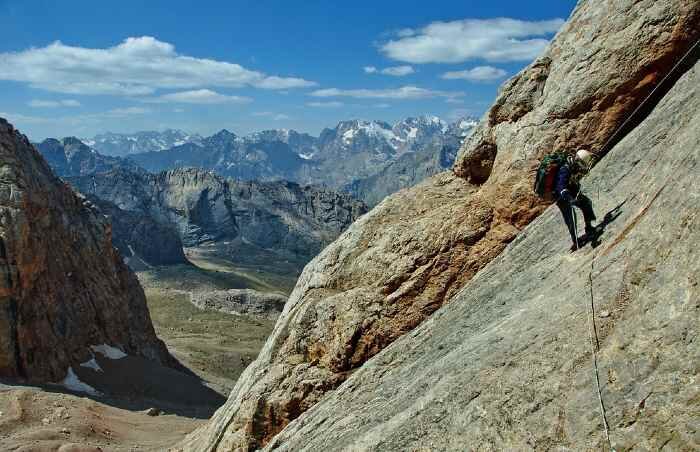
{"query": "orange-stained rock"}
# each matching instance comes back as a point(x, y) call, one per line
point(63, 287)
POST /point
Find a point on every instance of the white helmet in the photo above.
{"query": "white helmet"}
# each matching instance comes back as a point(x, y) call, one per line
point(585, 157)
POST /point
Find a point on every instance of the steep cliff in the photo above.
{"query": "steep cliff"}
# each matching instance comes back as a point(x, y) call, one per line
point(507, 363)
point(140, 239)
point(398, 264)
point(63, 287)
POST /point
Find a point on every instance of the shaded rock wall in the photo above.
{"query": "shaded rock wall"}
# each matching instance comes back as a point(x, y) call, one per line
point(140, 239)
point(63, 287)
point(398, 264)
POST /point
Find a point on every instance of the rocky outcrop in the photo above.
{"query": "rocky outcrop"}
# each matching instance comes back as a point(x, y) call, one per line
point(506, 365)
point(63, 287)
point(410, 255)
point(287, 218)
point(241, 301)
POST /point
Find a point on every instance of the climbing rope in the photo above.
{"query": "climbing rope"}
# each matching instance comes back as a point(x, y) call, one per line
point(595, 348)
point(592, 330)
point(636, 110)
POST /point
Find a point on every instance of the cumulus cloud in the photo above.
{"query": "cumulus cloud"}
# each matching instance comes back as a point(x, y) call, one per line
point(477, 74)
point(331, 104)
point(137, 66)
point(404, 92)
point(396, 71)
point(500, 39)
point(199, 96)
point(37, 103)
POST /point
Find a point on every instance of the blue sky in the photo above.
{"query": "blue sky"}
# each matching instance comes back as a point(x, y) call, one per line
point(82, 67)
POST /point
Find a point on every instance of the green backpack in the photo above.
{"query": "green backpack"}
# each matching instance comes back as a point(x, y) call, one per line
point(546, 176)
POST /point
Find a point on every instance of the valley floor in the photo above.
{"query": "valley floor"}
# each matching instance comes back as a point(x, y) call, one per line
point(216, 347)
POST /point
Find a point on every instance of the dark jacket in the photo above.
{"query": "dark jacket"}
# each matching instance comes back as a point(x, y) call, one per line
point(567, 179)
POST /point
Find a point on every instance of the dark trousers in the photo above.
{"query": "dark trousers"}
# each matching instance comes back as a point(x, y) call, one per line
point(567, 211)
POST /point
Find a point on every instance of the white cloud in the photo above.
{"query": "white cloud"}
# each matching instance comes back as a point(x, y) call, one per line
point(396, 71)
point(477, 74)
point(37, 103)
point(122, 112)
point(499, 39)
point(274, 116)
point(199, 96)
point(405, 92)
point(331, 104)
point(405, 32)
point(137, 66)
point(381, 105)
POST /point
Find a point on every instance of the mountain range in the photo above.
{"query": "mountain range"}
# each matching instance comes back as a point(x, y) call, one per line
point(243, 219)
point(123, 144)
point(338, 158)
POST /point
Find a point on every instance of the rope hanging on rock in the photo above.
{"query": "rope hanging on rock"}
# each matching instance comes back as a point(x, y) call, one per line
point(592, 330)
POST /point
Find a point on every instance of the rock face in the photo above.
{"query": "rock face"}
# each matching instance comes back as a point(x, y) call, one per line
point(401, 262)
point(506, 365)
point(140, 239)
point(282, 216)
point(63, 287)
point(241, 301)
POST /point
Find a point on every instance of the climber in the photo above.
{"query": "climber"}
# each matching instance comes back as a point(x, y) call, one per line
point(568, 195)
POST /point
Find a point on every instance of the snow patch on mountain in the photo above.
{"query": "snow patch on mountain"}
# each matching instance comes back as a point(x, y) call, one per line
point(73, 383)
point(108, 351)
